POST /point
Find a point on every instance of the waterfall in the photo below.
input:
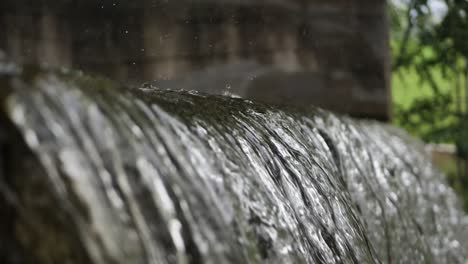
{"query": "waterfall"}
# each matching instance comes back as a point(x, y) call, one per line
point(146, 175)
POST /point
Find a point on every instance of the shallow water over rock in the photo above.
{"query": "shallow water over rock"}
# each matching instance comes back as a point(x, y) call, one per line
point(156, 176)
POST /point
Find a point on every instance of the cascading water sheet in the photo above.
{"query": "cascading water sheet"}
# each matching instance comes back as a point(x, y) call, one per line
point(156, 176)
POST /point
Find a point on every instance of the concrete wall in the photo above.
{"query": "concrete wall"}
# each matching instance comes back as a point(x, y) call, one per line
point(331, 53)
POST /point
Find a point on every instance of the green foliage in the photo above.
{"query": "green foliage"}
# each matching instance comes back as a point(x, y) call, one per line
point(430, 78)
point(435, 52)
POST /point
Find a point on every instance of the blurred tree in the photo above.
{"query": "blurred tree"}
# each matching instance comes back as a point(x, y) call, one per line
point(434, 44)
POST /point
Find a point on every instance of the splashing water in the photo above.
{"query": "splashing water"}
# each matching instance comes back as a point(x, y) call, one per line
point(152, 176)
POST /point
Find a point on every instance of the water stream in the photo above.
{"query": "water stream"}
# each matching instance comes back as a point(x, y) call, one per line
point(157, 176)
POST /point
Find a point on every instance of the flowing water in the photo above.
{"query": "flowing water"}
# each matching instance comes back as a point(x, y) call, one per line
point(157, 176)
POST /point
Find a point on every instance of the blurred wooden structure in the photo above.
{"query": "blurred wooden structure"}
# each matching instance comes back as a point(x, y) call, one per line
point(331, 53)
